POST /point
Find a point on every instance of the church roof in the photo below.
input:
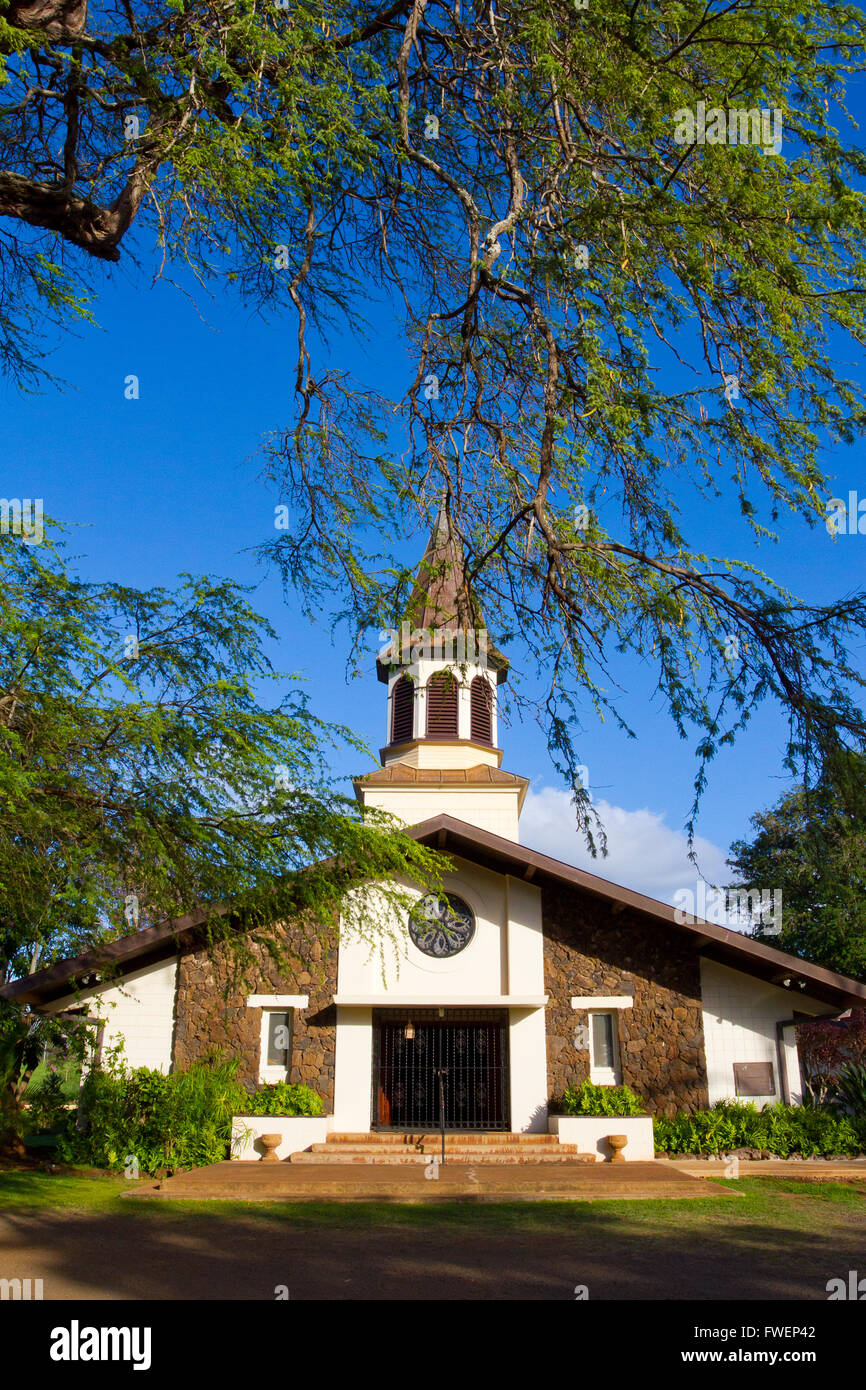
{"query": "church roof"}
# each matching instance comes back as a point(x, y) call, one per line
point(479, 776)
point(456, 837)
point(441, 599)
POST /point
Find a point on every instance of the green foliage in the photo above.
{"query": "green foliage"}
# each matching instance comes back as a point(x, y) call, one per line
point(590, 1099)
point(24, 1039)
point(47, 1103)
point(182, 1119)
point(811, 846)
point(284, 1098)
point(143, 778)
point(284, 151)
point(810, 1131)
point(850, 1088)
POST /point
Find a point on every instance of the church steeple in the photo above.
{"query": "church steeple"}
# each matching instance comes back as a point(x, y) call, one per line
point(442, 606)
point(443, 675)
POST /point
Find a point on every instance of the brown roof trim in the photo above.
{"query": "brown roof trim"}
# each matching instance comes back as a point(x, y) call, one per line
point(125, 954)
point(505, 856)
point(403, 774)
point(716, 943)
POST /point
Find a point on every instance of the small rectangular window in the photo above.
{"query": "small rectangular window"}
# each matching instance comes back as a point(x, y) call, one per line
point(603, 1049)
point(279, 1049)
point(602, 1040)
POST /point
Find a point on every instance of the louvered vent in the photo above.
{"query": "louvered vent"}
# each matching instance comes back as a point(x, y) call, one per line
point(481, 704)
point(401, 711)
point(442, 706)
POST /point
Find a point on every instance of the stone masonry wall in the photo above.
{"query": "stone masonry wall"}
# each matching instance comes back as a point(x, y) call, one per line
point(207, 1019)
point(590, 950)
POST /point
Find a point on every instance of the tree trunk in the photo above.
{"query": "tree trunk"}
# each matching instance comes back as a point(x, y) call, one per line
point(57, 18)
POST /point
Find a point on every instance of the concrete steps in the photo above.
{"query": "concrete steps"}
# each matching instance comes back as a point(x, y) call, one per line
point(452, 1138)
point(466, 1149)
point(414, 1157)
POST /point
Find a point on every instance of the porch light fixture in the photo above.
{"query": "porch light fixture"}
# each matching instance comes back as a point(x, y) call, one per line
point(409, 1031)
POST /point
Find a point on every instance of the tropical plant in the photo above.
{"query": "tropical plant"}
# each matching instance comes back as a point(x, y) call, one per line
point(850, 1089)
point(179, 1119)
point(782, 1130)
point(46, 1104)
point(591, 1099)
point(284, 1098)
point(24, 1039)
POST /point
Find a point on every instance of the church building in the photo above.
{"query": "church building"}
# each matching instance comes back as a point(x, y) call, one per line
point(526, 976)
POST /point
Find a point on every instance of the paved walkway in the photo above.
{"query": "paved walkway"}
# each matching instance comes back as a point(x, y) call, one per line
point(525, 1182)
point(804, 1170)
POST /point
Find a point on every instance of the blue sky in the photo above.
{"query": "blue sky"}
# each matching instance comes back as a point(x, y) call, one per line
point(168, 483)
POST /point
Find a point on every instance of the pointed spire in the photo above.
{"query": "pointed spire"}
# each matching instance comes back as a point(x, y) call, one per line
point(441, 597)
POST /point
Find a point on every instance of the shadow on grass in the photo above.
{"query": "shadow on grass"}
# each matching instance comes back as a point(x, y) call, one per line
point(765, 1247)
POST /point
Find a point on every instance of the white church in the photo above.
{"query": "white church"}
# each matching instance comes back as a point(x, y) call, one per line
point(526, 976)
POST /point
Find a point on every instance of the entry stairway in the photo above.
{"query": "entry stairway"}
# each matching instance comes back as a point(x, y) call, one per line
point(468, 1148)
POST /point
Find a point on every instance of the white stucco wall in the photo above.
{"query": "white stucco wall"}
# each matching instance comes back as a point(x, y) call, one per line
point(441, 756)
point(740, 1016)
point(353, 1071)
point(494, 810)
point(139, 1012)
point(504, 960)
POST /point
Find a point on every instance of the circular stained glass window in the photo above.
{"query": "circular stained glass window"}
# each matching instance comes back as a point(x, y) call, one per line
point(441, 925)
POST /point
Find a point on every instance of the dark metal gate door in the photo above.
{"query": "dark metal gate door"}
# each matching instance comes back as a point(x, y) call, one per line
point(474, 1056)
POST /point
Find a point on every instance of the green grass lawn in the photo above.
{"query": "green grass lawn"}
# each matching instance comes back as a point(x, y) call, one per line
point(773, 1203)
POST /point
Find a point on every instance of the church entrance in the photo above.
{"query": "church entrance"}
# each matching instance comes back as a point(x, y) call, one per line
point(467, 1049)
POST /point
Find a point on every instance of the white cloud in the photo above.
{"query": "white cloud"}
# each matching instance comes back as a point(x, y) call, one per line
point(642, 852)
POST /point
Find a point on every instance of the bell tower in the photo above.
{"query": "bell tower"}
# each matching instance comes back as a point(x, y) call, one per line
point(443, 676)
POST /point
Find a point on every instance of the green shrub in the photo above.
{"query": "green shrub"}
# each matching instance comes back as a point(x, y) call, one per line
point(46, 1104)
point(179, 1120)
point(284, 1098)
point(809, 1131)
point(589, 1099)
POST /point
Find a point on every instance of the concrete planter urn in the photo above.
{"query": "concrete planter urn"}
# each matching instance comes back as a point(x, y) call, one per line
point(271, 1143)
point(617, 1143)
